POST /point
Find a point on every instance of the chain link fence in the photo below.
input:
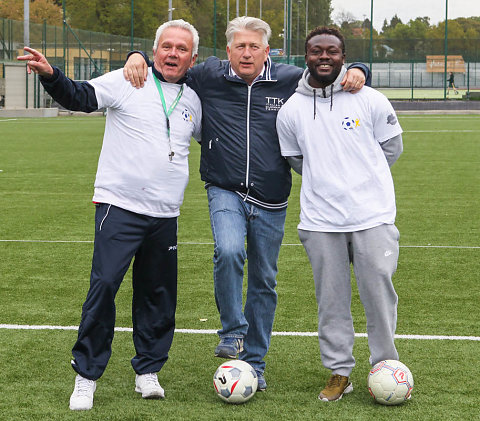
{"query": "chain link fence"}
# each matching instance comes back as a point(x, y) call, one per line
point(400, 68)
point(80, 54)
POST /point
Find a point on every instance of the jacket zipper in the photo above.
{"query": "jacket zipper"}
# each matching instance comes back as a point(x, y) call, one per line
point(248, 137)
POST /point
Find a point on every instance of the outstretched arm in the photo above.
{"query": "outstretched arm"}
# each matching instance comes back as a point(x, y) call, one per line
point(136, 69)
point(75, 96)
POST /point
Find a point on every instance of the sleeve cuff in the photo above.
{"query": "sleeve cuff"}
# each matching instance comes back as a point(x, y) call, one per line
point(144, 55)
point(51, 79)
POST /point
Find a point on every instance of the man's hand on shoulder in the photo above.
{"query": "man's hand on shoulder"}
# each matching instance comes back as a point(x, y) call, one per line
point(135, 70)
point(353, 80)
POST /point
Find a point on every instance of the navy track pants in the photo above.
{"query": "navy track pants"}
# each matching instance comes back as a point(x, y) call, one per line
point(120, 236)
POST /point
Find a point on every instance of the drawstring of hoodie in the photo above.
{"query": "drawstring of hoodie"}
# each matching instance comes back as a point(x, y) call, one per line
point(324, 95)
point(331, 96)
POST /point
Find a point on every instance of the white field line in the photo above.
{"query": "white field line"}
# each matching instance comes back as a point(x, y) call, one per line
point(213, 332)
point(465, 116)
point(442, 131)
point(46, 241)
point(193, 243)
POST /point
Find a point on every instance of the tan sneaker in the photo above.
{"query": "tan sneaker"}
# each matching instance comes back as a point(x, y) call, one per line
point(336, 387)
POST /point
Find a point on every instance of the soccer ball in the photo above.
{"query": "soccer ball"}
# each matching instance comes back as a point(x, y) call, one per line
point(235, 381)
point(390, 382)
point(348, 123)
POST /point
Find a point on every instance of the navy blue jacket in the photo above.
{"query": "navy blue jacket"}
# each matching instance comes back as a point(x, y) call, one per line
point(240, 149)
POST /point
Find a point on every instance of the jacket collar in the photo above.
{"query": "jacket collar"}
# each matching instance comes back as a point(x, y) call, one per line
point(162, 79)
point(268, 73)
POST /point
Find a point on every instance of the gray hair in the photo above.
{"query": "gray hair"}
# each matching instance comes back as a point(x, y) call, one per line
point(248, 23)
point(178, 23)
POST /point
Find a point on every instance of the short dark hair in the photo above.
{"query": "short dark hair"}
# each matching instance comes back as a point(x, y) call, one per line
point(324, 30)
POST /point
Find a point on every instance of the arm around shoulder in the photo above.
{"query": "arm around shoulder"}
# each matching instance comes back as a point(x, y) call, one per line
point(136, 68)
point(364, 68)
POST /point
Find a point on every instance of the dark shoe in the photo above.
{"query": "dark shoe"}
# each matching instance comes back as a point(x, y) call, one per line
point(229, 347)
point(262, 384)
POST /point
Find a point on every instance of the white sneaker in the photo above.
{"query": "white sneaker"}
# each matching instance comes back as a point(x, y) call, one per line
point(148, 386)
point(82, 396)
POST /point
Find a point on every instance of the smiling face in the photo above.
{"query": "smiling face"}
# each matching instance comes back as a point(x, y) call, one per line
point(173, 56)
point(247, 54)
point(324, 59)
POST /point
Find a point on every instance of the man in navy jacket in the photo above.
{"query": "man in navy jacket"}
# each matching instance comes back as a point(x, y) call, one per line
point(248, 181)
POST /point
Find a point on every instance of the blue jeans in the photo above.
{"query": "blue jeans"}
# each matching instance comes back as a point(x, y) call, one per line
point(232, 221)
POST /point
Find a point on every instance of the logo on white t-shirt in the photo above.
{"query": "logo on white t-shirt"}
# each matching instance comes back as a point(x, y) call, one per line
point(392, 119)
point(349, 123)
point(186, 115)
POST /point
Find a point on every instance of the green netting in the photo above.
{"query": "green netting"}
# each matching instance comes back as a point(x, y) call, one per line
point(395, 63)
point(80, 54)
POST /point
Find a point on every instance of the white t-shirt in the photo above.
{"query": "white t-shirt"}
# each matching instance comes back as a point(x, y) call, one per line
point(134, 170)
point(346, 181)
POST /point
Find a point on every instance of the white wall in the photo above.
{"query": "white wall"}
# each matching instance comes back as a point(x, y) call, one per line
point(16, 83)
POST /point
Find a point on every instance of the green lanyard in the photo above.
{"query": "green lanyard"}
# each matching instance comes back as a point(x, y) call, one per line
point(169, 112)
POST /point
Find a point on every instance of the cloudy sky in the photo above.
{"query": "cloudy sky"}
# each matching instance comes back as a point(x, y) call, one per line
point(406, 9)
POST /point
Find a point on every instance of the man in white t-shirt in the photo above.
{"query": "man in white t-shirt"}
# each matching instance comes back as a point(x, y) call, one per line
point(141, 177)
point(343, 146)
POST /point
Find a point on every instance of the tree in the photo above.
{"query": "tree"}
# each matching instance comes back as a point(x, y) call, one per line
point(385, 25)
point(344, 18)
point(388, 27)
point(40, 11)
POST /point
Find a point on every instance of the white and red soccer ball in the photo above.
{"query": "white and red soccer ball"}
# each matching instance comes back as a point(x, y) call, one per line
point(390, 382)
point(235, 381)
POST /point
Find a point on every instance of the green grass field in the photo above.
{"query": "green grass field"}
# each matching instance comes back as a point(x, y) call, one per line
point(46, 231)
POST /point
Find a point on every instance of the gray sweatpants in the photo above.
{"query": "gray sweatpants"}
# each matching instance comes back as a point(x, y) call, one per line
point(374, 255)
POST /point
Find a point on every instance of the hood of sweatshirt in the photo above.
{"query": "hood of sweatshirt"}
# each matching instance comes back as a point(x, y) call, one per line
point(305, 88)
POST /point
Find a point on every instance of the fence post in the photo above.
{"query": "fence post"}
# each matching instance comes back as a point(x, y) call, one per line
point(10, 40)
point(90, 62)
point(55, 43)
point(389, 75)
point(468, 80)
point(411, 78)
point(65, 35)
point(26, 87)
point(34, 91)
point(4, 36)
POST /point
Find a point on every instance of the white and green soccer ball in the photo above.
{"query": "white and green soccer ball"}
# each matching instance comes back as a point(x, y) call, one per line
point(235, 381)
point(390, 382)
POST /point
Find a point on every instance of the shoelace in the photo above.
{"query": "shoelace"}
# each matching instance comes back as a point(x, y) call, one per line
point(151, 379)
point(334, 381)
point(83, 386)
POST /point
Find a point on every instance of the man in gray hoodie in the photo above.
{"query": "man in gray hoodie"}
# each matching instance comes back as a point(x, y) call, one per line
point(343, 145)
